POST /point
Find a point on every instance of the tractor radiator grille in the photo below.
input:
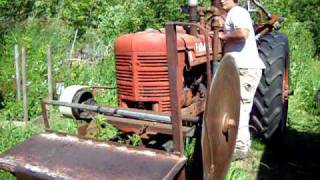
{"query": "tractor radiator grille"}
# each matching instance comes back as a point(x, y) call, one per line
point(153, 91)
point(153, 76)
point(143, 78)
point(153, 61)
point(166, 106)
point(124, 74)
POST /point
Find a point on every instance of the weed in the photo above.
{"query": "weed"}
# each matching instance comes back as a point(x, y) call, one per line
point(105, 130)
point(135, 140)
point(189, 146)
point(61, 123)
point(237, 172)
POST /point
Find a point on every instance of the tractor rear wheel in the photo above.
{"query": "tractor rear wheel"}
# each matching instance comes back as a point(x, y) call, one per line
point(270, 107)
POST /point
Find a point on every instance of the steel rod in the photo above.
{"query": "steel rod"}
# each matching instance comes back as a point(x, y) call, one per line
point(193, 19)
point(175, 86)
point(111, 111)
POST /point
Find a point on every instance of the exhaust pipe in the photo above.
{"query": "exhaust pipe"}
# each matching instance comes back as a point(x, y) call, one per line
point(193, 5)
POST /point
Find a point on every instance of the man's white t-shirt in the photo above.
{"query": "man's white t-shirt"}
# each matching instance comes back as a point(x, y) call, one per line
point(244, 51)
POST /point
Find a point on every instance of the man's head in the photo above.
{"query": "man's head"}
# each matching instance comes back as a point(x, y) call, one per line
point(228, 4)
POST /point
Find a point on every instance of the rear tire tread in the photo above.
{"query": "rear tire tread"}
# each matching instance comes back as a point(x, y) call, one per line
point(267, 113)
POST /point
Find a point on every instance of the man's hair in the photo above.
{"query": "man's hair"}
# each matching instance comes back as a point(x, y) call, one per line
point(236, 1)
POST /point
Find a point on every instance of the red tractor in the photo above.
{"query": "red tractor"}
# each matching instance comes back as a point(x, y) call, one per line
point(165, 87)
point(142, 68)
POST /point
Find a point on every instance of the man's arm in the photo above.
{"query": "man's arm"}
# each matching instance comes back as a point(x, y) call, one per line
point(238, 34)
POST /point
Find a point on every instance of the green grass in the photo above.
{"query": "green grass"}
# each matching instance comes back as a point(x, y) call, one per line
point(296, 159)
point(247, 169)
point(12, 134)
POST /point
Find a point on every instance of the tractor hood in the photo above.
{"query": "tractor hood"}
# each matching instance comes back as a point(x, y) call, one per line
point(146, 41)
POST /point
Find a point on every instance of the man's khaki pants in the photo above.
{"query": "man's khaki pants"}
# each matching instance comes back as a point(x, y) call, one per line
point(249, 81)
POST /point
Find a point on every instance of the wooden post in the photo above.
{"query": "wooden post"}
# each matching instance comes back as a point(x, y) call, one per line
point(18, 82)
point(50, 94)
point(24, 86)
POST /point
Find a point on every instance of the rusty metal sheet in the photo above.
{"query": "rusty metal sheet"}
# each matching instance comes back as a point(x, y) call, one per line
point(57, 156)
point(220, 124)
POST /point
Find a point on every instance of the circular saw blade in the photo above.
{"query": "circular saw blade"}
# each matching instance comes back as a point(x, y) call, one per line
point(221, 120)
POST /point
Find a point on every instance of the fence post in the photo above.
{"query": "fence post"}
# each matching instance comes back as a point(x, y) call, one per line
point(18, 82)
point(74, 41)
point(24, 86)
point(50, 94)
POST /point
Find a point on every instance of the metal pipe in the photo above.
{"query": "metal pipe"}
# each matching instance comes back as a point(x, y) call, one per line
point(216, 27)
point(193, 4)
point(110, 111)
point(175, 87)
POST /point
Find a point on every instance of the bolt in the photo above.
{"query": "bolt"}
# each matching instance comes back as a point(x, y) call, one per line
point(228, 123)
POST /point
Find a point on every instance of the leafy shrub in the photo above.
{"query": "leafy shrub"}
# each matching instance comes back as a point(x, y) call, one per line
point(137, 15)
point(305, 73)
point(35, 38)
point(307, 11)
point(82, 14)
point(130, 18)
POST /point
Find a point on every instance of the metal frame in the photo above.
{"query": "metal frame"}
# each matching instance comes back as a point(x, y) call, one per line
point(173, 69)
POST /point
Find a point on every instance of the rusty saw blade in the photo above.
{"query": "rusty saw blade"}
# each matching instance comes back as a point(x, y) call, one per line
point(221, 120)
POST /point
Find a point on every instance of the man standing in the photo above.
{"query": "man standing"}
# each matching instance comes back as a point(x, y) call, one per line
point(239, 40)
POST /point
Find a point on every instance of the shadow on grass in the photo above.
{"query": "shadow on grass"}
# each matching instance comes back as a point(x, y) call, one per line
point(298, 158)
